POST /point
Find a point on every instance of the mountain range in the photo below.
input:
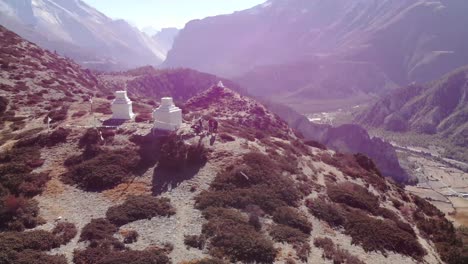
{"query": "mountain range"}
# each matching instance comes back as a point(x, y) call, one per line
point(437, 108)
point(331, 41)
point(76, 30)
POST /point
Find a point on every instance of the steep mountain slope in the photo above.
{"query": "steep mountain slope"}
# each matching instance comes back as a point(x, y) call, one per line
point(36, 81)
point(438, 107)
point(166, 37)
point(294, 201)
point(77, 30)
point(347, 138)
point(392, 41)
point(315, 79)
point(255, 192)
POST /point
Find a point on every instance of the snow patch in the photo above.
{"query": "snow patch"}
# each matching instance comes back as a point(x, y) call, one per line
point(266, 4)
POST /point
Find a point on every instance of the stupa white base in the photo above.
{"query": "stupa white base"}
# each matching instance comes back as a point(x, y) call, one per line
point(122, 107)
point(167, 117)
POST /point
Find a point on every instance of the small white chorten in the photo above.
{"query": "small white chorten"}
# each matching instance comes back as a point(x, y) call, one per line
point(122, 106)
point(167, 116)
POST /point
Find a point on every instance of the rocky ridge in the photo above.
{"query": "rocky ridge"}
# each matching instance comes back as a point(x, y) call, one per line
point(437, 108)
point(77, 30)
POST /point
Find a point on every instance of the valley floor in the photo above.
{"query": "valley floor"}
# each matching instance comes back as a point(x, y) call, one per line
point(442, 180)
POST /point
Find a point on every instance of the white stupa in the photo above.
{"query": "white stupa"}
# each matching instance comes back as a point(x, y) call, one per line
point(167, 117)
point(122, 106)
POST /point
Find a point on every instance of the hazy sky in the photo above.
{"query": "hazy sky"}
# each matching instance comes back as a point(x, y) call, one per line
point(168, 13)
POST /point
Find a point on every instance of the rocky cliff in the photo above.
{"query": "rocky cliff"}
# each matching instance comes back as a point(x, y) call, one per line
point(436, 108)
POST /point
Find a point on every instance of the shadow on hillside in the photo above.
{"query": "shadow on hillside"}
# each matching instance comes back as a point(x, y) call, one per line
point(114, 122)
point(166, 180)
point(149, 151)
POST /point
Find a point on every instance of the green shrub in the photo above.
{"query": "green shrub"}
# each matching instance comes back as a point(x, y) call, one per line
point(92, 254)
point(176, 155)
point(98, 229)
point(328, 212)
point(440, 231)
point(149, 256)
point(20, 157)
point(334, 253)
point(39, 240)
point(197, 155)
point(3, 105)
point(138, 208)
point(205, 261)
point(58, 136)
point(17, 181)
point(73, 160)
point(143, 118)
point(367, 163)
point(232, 243)
point(293, 218)
point(65, 232)
point(18, 125)
point(426, 207)
point(112, 251)
point(12, 180)
point(396, 203)
point(103, 108)
point(79, 114)
point(265, 196)
point(173, 154)
point(315, 144)
point(357, 166)
point(57, 115)
point(226, 137)
point(228, 231)
point(130, 237)
point(353, 195)
point(388, 214)
point(149, 149)
point(257, 168)
point(195, 241)
point(104, 171)
point(327, 245)
point(380, 235)
point(17, 213)
point(37, 257)
point(283, 233)
point(257, 187)
point(90, 137)
point(371, 233)
point(258, 181)
point(33, 184)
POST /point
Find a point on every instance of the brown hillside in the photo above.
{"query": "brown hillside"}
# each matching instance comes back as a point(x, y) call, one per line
point(253, 192)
